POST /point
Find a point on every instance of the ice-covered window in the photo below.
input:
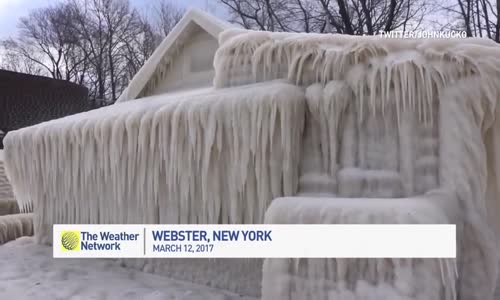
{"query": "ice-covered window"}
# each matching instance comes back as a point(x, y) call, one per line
point(380, 158)
point(355, 149)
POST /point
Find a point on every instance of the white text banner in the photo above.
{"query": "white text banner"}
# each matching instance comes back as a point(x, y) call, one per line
point(256, 241)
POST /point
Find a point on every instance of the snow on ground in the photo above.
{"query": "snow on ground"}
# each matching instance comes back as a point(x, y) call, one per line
point(28, 271)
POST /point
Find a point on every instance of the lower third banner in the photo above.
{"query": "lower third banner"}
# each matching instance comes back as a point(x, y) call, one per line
point(255, 241)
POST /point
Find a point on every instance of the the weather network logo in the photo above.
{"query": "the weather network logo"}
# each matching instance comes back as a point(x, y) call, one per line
point(70, 240)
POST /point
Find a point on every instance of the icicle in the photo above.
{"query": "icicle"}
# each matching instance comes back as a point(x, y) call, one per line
point(108, 163)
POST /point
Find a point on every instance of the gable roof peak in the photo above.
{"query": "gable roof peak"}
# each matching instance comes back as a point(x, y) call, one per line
point(212, 25)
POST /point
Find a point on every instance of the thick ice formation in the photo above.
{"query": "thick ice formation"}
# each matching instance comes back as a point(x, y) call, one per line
point(358, 278)
point(367, 156)
point(194, 159)
point(392, 118)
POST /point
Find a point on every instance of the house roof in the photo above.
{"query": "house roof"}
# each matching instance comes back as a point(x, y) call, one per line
point(207, 22)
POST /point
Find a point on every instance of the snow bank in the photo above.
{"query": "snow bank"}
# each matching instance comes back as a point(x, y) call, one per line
point(29, 272)
point(195, 159)
point(239, 275)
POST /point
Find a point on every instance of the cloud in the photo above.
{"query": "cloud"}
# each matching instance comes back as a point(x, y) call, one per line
point(12, 10)
point(7, 3)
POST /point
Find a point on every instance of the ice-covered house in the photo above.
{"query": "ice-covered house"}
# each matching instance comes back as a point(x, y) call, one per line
point(297, 128)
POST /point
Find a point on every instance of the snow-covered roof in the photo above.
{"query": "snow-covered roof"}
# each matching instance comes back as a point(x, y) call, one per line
point(179, 34)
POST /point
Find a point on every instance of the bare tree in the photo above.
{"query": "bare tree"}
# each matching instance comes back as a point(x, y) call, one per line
point(272, 15)
point(165, 16)
point(108, 31)
point(340, 16)
point(152, 27)
point(139, 47)
point(121, 24)
point(14, 61)
point(45, 40)
point(98, 43)
point(476, 17)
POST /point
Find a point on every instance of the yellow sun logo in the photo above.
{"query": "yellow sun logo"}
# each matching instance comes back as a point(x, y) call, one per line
point(70, 240)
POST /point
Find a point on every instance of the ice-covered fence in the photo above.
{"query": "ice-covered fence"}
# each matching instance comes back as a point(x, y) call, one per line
point(214, 157)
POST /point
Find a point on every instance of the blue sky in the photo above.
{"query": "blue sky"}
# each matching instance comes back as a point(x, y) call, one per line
point(12, 10)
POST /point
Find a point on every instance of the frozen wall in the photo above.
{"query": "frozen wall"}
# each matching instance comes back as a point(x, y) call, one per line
point(178, 159)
